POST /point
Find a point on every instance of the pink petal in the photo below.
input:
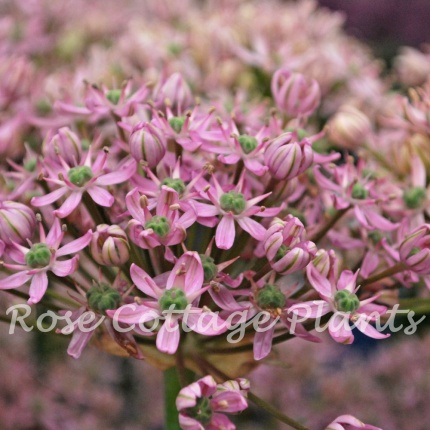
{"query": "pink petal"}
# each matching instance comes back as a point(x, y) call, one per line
point(263, 341)
point(55, 235)
point(225, 232)
point(75, 245)
point(204, 210)
point(364, 326)
point(101, 196)
point(69, 205)
point(48, 198)
point(206, 323)
point(321, 284)
point(144, 282)
point(220, 421)
point(15, 280)
point(133, 314)
point(123, 173)
point(65, 268)
point(347, 281)
point(255, 229)
point(314, 309)
point(38, 287)
point(188, 423)
point(168, 336)
point(235, 400)
point(187, 274)
point(79, 342)
point(340, 330)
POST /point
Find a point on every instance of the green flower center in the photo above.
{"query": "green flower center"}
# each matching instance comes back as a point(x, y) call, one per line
point(80, 175)
point(375, 236)
point(30, 165)
point(247, 143)
point(175, 297)
point(113, 96)
point(103, 297)
point(270, 297)
point(38, 256)
point(359, 192)
point(202, 411)
point(233, 202)
point(177, 184)
point(159, 224)
point(177, 122)
point(414, 197)
point(209, 267)
point(346, 301)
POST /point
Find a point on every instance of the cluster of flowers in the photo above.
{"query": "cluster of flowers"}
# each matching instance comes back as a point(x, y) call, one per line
point(222, 206)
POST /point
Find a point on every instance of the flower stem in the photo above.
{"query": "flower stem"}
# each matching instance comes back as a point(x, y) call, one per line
point(171, 390)
point(97, 213)
point(331, 222)
point(399, 267)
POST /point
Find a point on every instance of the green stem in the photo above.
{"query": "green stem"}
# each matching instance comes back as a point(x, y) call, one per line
point(97, 213)
point(171, 390)
point(399, 267)
point(331, 222)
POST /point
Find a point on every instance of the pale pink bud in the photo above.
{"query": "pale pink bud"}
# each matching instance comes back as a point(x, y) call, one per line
point(109, 245)
point(174, 91)
point(66, 144)
point(287, 158)
point(414, 251)
point(147, 144)
point(293, 94)
point(349, 127)
point(412, 66)
point(17, 222)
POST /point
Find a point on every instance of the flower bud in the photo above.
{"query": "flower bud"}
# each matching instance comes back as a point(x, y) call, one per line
point(109, 245)
point(287, 158)
point(349, 127)
point(17, 222)
point(414, 251)
point(102, 297)
point(412, 66)
point(284, 247)
point(66, 144)
point(176, 91)
point(293, 94)
point(147, 144)
point(414, 197)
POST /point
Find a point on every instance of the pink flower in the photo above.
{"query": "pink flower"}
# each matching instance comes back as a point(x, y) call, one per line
point(233, 206)
point(41, 257)
point(341, 299)
point(17, 222)
point(166, 227)
point(202, 404)
point(178, 299)
point(89, 177)
point(348, 422)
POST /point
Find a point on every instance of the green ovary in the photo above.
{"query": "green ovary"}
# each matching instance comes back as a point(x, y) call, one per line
point(247, 143)
point(113, 96)
point(177, 184)
point(177, 122)
point(174, 297)
point(202, 411)
point(209, 267)
point(414, 197)
point(233, 202)
point(270, 297)
point(346, 301)
point(359, 192)
point(159, 224)
point(79, 176)
point(102, 297)
point(38, 256)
